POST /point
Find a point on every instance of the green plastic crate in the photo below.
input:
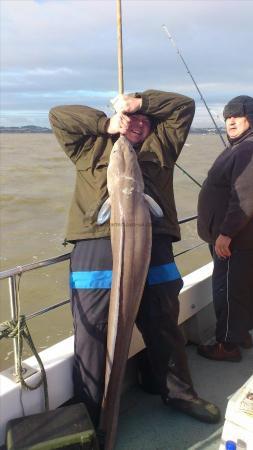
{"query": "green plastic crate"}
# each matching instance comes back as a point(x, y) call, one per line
point(67, 428)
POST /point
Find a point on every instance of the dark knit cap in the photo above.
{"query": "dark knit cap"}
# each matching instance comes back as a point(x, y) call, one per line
point(239, 107)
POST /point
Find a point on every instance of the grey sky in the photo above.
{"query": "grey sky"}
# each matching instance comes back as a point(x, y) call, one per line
point(65, 51)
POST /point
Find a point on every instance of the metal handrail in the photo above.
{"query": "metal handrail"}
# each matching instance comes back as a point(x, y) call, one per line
point(18, 270)
point(187, 219)
point(45, 310)
point(12, 273)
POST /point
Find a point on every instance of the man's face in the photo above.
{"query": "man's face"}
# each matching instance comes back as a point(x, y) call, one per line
point(138, 129)
point(236, 126)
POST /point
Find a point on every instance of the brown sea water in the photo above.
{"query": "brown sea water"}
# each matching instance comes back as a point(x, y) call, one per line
point(36, 186)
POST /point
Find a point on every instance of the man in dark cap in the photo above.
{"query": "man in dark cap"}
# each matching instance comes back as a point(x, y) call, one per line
point(225, 220)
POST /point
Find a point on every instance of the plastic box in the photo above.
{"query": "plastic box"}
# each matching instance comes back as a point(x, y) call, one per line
point(68, 427)
point(238, 425)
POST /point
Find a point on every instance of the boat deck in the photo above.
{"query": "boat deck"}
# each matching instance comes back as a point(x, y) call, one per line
point(146, 424)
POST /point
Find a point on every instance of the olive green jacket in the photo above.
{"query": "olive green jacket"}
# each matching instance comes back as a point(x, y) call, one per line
point(81, 132)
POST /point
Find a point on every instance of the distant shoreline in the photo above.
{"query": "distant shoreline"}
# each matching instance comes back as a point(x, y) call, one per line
point(29, 129)
point(25, 129)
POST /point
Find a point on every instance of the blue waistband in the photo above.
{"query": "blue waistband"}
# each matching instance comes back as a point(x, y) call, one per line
point(102, 279)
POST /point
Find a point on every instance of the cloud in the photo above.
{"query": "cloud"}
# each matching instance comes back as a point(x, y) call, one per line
point(49, 72)
point(58, 50)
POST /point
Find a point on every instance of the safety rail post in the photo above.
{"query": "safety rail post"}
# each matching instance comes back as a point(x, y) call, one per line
point(14, 316)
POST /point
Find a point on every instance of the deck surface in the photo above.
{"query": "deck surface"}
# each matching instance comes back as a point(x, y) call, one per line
point(146, 424)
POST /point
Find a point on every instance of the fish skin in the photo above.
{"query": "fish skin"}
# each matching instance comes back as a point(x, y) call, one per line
point(131, 240)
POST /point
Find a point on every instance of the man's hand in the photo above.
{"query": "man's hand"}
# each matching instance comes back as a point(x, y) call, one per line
point(126, 104)
point(222, 246)
point(118, 124)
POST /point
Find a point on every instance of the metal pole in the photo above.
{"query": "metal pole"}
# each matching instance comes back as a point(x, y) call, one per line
point(14, 316)
point(195, 84)
point(120, 48)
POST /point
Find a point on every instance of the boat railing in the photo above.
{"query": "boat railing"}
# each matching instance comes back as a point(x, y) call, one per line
point(14, 273)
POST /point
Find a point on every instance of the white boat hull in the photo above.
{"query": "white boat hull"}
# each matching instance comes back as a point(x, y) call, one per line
point(58, 359)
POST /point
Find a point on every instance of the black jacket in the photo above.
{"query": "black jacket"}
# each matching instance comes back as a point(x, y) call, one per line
point(225, 203)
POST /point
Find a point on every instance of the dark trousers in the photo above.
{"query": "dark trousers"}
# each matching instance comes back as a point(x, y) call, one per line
point(233, 295)
point(157, 321)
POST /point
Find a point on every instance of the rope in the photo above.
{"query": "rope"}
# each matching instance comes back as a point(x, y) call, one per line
point(18, 329)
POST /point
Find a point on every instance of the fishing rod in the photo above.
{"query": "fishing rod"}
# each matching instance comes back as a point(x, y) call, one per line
point(120, 48)
point(188, 175)
point(195, 84)
point(120, 69)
